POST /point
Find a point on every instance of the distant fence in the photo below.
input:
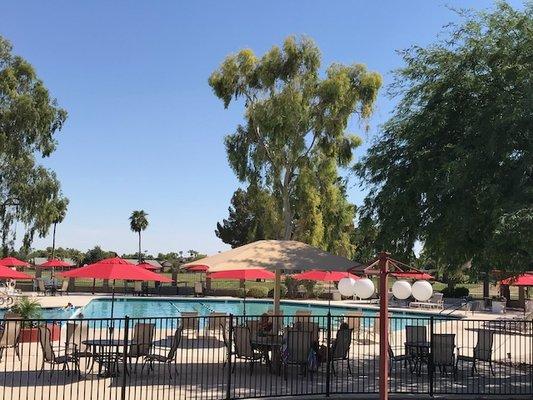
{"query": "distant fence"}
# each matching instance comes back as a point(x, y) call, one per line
point(231, 357)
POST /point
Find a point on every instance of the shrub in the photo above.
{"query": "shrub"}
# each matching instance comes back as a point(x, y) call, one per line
point(292, 286)
point(256, 292)
point(283, 292)
point(239, 292)
point(310, 288)
point(458, 291)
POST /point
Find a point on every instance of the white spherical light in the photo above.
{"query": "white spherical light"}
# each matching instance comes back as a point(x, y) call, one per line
point(346, 287)
point(401, 290)
point(364, 288)
point(422, 290)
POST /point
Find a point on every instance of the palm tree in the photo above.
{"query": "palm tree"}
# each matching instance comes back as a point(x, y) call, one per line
point(138, 223)
point(59, 213)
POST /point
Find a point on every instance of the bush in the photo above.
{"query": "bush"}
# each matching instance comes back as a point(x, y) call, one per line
point(256, 292)
point(239, 292)
point(283, 292)
point(27, 309)
point(457, 292)
point(292, 286)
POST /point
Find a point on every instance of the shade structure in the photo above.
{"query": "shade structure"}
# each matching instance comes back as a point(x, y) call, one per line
point(521, 280)
point(243, 275)
point(413, 275)
point(55, 263)
point(8, 273)
point(115, 268)
point(149, 266)
point(13, 262)
point(197, 268)
point(324, 276)
point(276, 255)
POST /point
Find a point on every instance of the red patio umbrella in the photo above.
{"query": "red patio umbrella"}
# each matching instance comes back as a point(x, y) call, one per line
point(412, 275)
point(55, 263)
point(521, 280)
point(115, 268)
point(197, 268)
point(13, 262)
point(243, 275)
point(149, 266)
point(8, 273)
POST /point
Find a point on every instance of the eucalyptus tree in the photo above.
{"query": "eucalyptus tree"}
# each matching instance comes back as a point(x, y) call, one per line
point(29, 120)
point(453, 166)
point(139, 223)
point(290, 113)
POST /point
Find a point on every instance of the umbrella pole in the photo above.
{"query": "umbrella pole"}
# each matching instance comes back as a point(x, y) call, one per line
point(244, 301)
point(112, 326)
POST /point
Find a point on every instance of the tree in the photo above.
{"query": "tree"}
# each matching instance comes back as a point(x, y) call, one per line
point(453, 164)
point(58, 215)
point(96, 254)
point(290, 111)
point(139, 223)
point(29, 119)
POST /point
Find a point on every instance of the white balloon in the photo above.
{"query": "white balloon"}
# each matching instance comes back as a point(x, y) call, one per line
point(401, 290)
point(422, 290)
point(364, 288)
point(346, 287)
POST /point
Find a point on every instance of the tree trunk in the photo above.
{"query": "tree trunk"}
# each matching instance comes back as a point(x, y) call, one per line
point(486, 286)
point(140, 247)
point(287, 212)
point(54, 241)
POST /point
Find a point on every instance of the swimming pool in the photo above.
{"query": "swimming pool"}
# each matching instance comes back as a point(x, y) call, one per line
point(157, 308)
point(52, 313)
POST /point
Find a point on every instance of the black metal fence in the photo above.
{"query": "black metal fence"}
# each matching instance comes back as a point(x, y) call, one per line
point(226, 357)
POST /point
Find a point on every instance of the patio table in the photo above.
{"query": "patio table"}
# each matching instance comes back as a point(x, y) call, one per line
point(419, 352)
point(106, 353)
point(270, 342)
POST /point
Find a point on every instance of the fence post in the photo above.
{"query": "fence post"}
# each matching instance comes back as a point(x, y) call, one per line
point(431, 351)
point(230, 346)
point(328, 357)
point(125, 357)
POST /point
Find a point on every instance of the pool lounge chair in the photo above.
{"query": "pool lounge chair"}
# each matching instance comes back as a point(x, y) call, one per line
point(436, 301)
point(10, 334)
point(167, 359)
point(481, 352)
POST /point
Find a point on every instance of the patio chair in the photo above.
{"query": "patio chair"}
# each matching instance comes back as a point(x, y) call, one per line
point(302, 316)
point(137, 288)
point(64, 287)
point(50, 357)
point(10, 333)
point(42, 288)
point(190, 322)
point(254, 326)
point(243, 347)
point(309, 326)
point(143, 335)
point(353, 319)
point(198, 289)
point(341, 348)
point(393, 359)
point(216, 322)
point(167, 359)
point(481, 352)
point(77, 333)
point(443, 349)
point(296, 352)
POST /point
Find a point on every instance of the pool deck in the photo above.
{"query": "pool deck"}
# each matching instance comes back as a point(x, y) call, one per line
point(82, 299)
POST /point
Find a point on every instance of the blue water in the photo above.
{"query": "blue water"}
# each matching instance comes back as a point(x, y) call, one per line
point(151, 308)
point(51, 313)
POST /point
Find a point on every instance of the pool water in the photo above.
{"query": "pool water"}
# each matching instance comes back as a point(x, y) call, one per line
point(151, 308)
point(52, 313)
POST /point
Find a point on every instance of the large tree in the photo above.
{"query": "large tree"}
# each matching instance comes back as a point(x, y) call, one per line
point(29, 119)
point(453, 166)
point(291, 112)
point(139, 223)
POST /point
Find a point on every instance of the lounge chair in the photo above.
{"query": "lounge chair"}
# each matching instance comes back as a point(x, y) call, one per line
point(50, 357)
point(242, 340)
point(436, 301)
point(10, 334)
point(443, 348)
point(481, 352)
point(190, 321)
point(198, 289)
point(353, 319)
point(142, 342)
point(341, 348)
point(64, 287)
point(167, 359)
point(296, 352)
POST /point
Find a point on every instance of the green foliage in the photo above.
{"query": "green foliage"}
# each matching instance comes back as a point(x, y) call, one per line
point(453, 164)
point(96, 254)
point(27, 308)
point(292, 286)
point(309, 287)
point(258, 293)
point(457, 292)
point(29, 119)
point(283, 292)
point(292, 115)
point(139, 223)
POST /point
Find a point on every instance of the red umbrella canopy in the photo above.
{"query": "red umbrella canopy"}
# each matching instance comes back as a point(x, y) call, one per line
point(148, 266)
point(197, 268)
point(13, 262)
point(521, 280)
point(324, 276)
point(243, 274)
point(55, 263)
point(413, 275)
point(115, 268)
point(8, 273)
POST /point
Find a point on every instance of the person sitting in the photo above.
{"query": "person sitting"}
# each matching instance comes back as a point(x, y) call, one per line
point(265, 325)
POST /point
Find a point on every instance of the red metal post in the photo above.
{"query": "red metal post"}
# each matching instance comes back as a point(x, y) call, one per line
point(383, 328)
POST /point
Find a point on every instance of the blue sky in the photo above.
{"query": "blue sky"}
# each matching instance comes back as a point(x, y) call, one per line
point(144, 129)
